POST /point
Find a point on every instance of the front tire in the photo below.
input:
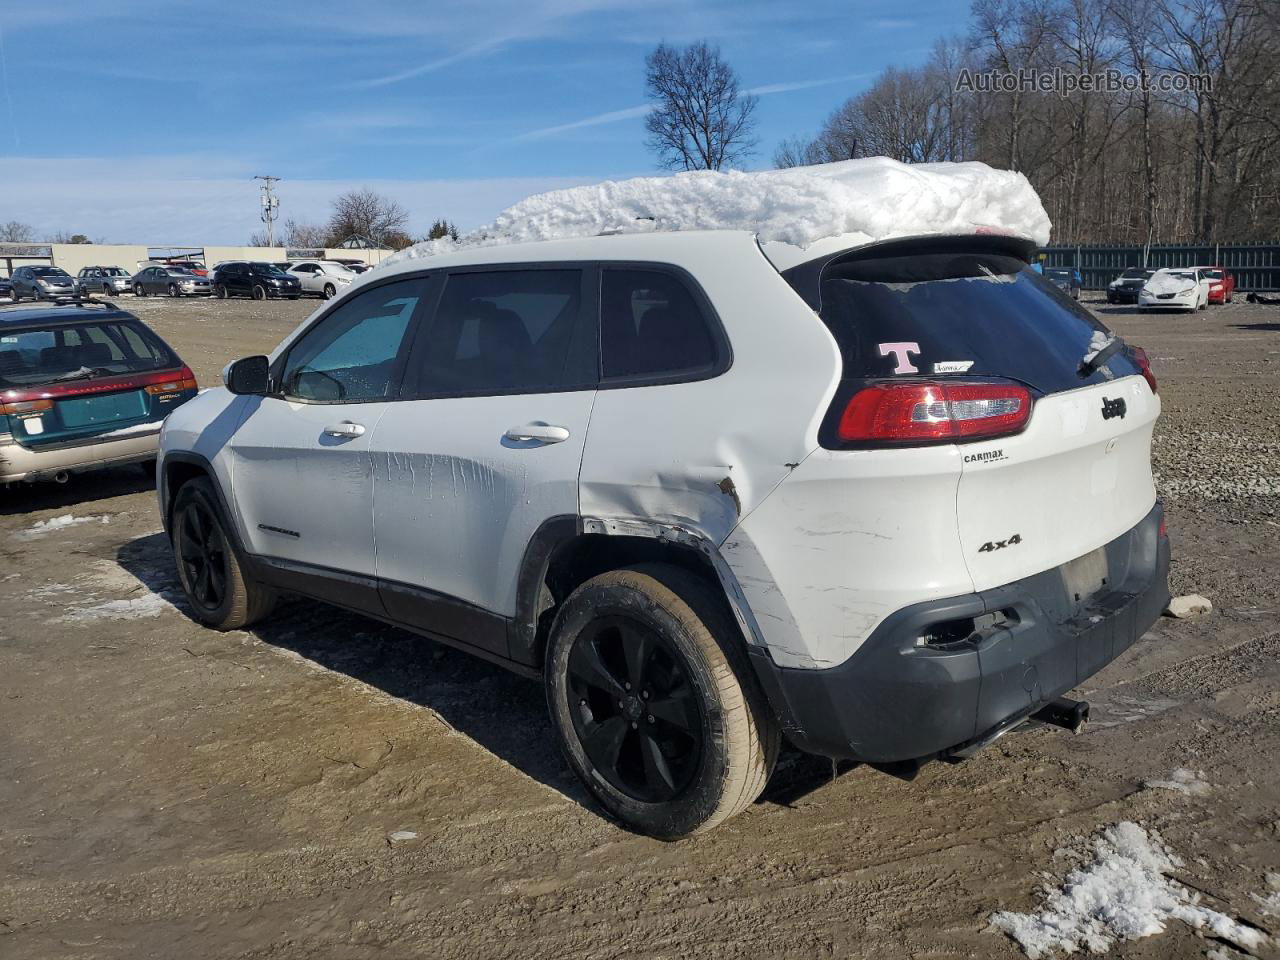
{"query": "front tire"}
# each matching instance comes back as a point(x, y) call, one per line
point(259, 292)
point(329, 291)
point(209, 566)
point(654, 703)
point(139, 290)
point(173, 290)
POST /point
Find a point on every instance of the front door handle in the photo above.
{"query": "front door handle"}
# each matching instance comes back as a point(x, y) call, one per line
point(539, 432)
point(344, 429)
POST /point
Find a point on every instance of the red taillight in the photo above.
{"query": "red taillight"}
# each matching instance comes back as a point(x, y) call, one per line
point(184, 379)
point(1140, 358)
point(931, 411)
point(1164, 531)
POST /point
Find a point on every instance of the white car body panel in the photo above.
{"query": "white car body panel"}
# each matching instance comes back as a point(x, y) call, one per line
point(301, 494)
point(701, 455)
point(457, 502)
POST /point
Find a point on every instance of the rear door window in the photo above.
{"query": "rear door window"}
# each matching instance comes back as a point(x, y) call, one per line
point(652, 327)
point(959, 314)
point(507, 331)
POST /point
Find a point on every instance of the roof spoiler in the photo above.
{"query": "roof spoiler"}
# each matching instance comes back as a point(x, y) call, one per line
point(806, 278)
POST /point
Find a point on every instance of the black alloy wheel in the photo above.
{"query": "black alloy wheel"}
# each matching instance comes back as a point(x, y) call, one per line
point(202, 555)
point(637, 714)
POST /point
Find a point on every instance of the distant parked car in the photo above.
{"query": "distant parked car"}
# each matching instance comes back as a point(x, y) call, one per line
point(326, 278)
point(6, 289)
point(195, 266)
point(1065, 279)
point(355, 266)
point(1185, 288)
point(42, 283)
point(1125, 288)
point(174, 281)
point(105, 280)
point(82, 385)
point(253, 278)
point(1222, 285)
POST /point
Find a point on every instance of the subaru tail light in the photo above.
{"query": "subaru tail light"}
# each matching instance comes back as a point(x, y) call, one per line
point(925, 411)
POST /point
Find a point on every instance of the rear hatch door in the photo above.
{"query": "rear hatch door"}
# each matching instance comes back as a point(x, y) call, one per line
point(967, 309)
point(69, 382)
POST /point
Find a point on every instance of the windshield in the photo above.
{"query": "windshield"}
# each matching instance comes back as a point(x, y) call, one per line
point(270, 269)
point(179, 272)
point(1136, 273)
point(116, 272)
point(1182, 275)
point(960, 314)
point(38, 355)
point(49, 272)
point(1213, 274)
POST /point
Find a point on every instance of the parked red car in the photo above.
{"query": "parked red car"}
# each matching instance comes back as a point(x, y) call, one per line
point(1222, 285)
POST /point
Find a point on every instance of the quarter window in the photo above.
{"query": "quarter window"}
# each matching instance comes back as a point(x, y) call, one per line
point(511, 331)
point(651, 326)
point(351, 354)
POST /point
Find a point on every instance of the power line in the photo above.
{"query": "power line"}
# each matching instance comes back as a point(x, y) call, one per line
point(270, 207)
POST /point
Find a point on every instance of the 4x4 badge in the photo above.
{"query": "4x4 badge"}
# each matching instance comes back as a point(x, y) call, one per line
point(1114, 408)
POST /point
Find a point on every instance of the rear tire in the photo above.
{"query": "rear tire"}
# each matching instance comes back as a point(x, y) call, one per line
point(259, 292)
point(654, 703)
point(209, 566)
point(139, 290)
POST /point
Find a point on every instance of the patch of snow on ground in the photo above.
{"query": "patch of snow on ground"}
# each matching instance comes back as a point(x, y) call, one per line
point(41, 527)
point(1270, 904)
point(147, 605)
point(1182, 780)
point(1124, 894)
point(865, 200)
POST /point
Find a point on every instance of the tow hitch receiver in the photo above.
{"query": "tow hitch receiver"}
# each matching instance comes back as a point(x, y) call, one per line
point(1071, 714)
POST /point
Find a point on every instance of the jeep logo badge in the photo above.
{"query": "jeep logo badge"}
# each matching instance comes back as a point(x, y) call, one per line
point(1113, 408)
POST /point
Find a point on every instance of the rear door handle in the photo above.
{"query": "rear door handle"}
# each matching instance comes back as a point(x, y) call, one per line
point(344, 429)
point(540, 432)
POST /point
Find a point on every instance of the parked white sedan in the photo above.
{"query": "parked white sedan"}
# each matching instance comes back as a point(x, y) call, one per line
point(1175, 289)
point(323, 277)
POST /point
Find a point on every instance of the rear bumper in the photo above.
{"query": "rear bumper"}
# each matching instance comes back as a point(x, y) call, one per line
point(21, 463)
point(899, 699)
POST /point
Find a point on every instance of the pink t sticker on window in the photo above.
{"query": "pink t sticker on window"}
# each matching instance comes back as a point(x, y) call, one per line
point(899, 353)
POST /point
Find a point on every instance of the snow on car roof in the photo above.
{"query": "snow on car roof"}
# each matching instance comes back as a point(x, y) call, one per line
point(831, 205)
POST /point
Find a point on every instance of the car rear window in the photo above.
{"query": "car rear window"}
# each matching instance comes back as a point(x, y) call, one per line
point(37, 355)
point(958, 314)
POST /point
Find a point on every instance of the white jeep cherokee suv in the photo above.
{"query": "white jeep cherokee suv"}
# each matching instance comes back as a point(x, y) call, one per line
point(888, 502)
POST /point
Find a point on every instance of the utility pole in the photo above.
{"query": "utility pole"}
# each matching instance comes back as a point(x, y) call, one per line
point(270, 204)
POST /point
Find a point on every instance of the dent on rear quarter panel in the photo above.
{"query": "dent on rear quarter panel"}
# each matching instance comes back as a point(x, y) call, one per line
point(703, 455)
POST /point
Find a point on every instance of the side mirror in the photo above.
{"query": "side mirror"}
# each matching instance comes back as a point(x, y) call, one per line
point(250, 376)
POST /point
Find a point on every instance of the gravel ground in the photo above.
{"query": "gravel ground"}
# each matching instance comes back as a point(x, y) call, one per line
point(167, 791)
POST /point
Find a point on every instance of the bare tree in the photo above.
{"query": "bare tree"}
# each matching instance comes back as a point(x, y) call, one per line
point(700, 119)
point(16, 232)
point(305, 235)
point(366, 213)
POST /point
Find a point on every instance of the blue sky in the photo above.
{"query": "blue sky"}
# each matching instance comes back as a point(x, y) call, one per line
point(144, 122)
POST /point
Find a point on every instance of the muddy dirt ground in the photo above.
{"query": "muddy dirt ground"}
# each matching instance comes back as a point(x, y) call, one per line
point(167, 791)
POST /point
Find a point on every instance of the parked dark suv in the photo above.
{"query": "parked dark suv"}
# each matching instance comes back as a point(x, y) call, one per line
point(253, 278)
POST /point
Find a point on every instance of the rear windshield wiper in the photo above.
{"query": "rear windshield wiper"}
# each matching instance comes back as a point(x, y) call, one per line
point(1101, 349)
point(81, 374)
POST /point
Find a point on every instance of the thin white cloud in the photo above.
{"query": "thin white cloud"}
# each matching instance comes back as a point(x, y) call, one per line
point(630, 113)
point(612, 116)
